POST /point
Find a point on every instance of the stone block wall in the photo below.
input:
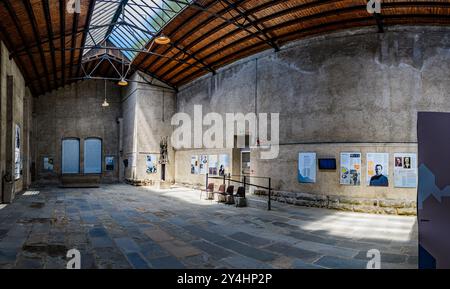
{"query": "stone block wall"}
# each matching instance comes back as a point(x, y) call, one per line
point(354, 90)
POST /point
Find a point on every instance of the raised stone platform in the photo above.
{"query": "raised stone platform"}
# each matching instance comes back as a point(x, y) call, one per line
point(361, 205)
point(80, 181)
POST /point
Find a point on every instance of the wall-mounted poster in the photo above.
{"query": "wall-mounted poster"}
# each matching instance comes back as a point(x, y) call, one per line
point(18, 158)
point(152, 164)
point(350, 169)
point(405, 170)
point(48, 164)
point(212, 165)
point(195, 165)
point(378, 169)
point(109, 164)
point(224, 165)
point(307, 167)
point(203, 164)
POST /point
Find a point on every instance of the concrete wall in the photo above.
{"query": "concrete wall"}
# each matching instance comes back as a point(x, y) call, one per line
point(75, 111)
point(354, 90)
point(147, 113)
point(19, 110)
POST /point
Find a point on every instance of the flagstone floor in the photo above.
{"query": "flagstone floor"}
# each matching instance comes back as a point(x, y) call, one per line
point(120, 226)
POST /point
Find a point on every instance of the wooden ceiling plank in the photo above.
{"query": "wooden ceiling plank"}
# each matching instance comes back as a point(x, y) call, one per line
point(62, 23)
point(48, 19)
point(19, 29)
point(20, 63)
point(85, 32)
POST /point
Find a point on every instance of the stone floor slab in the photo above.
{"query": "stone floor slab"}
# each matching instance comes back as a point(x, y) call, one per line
point(122, 227)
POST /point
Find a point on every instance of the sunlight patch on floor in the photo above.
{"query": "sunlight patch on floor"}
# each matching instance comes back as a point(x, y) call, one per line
point(31, 193)
point(351, 225)
point(186, 195)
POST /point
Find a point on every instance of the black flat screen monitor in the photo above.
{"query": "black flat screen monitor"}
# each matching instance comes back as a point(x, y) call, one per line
point(327, 164)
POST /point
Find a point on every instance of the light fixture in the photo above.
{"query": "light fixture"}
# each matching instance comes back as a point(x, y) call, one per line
point(123, 82)
point(105, 103)
point(162, 40)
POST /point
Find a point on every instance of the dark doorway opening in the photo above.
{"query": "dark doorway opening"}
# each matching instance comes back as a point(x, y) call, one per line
point(163, 172)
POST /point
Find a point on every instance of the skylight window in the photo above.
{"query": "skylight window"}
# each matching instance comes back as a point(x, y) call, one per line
point(130, 24)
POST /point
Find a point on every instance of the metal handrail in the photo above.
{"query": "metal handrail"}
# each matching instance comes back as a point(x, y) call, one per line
point(225, 179)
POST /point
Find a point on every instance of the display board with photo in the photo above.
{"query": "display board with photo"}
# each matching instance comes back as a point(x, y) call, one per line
point(212, 165)
point(203, 166)
point(224, 164)
point(307, 167)
point(195, 165)
point(378, 169)
point(48, 164)
point(152, 164)
point(350, 173)
point(18, 157)
point(109, 164)
point(405, 170)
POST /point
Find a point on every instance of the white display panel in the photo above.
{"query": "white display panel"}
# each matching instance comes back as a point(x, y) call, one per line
point(378, 169)
point(405, 170)
point(350, 171)
point(307, 167)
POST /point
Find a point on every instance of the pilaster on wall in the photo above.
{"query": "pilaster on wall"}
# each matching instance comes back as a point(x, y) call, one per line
point(147, 112)
point(14, 98)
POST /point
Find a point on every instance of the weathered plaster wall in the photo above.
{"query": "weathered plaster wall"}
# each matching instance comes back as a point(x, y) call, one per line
point(355, 90)
point(183, 166)
point(147, 114)
point(75, 111)
point(21, 115)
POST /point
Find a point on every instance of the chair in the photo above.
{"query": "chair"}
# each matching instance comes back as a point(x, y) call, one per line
point(229, 197)
point(209, 191)
point(220, 194)
point(240, 199)
point(240, 192)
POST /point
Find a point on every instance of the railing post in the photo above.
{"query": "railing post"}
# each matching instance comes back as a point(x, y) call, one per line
point(245, 184)
point(224, 177)
point(270, 194)
point(229, 179)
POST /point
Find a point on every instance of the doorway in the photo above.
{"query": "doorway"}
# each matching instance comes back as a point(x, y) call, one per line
point(245, 163)
point(93, 156)
point(70, 156)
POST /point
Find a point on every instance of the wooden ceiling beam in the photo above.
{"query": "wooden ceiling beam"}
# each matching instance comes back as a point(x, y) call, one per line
point(84, 37)
point(37, 37)
point(8, 43)
point(357, 22)
point(62, 25)
point(21, 33)
point(253, 23)
point(180, 40)
point(48, 19)
point(251, 11)
point(76, 18)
